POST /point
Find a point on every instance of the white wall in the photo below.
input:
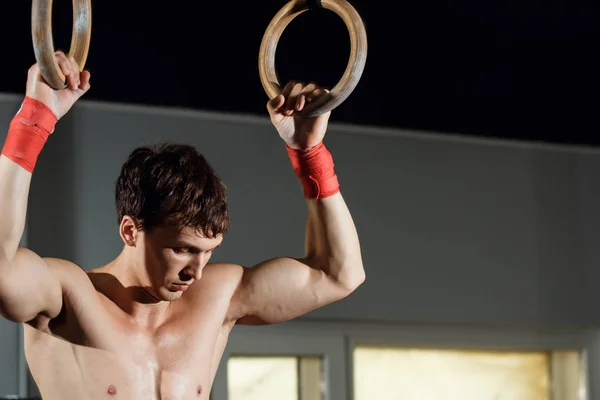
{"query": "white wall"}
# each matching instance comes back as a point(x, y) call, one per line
point(454, 230)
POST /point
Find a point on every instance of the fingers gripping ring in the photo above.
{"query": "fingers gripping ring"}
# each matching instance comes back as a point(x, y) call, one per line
point(356, 63)
point(43, 45)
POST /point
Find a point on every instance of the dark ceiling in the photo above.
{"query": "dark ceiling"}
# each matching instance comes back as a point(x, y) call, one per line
point(511, 69)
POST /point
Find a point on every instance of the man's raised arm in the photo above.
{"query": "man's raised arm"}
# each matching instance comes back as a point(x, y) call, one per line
point(281, 289)
point(28, 286)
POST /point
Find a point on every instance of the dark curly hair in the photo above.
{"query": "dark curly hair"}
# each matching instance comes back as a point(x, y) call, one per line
point(172, 184)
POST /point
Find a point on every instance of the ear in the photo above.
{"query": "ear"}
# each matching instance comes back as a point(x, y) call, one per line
point(128, 229)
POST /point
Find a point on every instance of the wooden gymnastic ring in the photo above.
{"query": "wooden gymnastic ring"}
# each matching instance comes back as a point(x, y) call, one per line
point(356, 63)
point(43, 45)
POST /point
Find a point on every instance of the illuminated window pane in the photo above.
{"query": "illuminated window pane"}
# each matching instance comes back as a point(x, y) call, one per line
point(409, 374)
point(281, 378)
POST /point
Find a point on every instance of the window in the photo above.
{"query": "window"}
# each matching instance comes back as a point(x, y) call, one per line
point(315, 361)
point(429, 374)
point(274, 377)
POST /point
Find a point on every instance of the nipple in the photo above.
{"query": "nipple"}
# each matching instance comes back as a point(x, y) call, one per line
point(112, 390)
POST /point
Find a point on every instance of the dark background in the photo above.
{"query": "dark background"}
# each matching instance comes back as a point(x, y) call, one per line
point(500, 68)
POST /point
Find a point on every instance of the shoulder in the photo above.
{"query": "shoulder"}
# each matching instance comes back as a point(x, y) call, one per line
point(69, 274)
point(64, 268)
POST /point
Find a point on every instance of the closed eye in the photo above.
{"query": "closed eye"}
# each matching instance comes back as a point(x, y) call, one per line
point(181, 250)
point(186, 250)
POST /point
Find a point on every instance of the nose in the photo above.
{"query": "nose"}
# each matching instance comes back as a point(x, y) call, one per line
point(189, 273)
point(197, 272)
point(194, 269)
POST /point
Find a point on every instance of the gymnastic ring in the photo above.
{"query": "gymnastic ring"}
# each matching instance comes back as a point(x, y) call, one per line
point(43, 45)
point(356, 62)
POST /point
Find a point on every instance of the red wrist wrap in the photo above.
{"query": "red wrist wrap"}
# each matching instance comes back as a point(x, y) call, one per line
point(28, 132)
point(314, 168)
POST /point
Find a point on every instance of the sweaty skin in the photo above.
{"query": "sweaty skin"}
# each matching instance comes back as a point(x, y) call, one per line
point(154, 322)
point(94, 349)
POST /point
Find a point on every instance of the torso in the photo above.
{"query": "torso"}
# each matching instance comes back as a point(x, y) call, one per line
point(95, 350)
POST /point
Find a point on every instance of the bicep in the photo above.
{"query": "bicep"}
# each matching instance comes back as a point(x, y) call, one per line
point(29, 287)
point(282, 289)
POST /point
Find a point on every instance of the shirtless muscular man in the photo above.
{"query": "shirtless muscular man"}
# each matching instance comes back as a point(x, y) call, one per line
point(154, 322)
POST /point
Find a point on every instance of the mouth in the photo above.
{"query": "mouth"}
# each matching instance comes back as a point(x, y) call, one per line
point(180, 287)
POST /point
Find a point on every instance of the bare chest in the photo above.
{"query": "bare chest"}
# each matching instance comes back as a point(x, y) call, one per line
point(170, 364)
point(63, 370)
point(98, 356)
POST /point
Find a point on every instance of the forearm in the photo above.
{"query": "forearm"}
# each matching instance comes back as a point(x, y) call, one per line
point(14, 190)
point(27, 135)
point(332, 242)
point(283, 288)
point(27, 285)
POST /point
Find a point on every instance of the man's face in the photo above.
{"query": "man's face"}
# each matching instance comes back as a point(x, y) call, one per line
point(175, 259)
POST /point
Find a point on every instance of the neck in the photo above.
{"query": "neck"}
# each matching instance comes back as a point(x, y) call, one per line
point(129, 287)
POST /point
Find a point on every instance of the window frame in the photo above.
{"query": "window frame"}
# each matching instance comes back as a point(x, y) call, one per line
point(492, 338)
point(287, 341)
point(337, 340)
